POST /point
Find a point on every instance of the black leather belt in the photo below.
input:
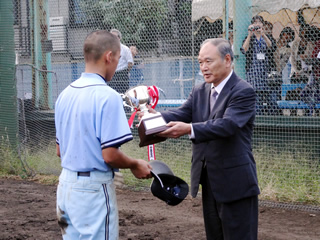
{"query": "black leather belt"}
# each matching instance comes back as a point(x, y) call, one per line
point(84, 174)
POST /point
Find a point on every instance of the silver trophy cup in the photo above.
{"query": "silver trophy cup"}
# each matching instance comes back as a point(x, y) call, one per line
point(151, 123)
point(137, 98)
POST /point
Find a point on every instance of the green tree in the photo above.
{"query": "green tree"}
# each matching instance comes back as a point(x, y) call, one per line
point(145, 23)
point(139, 21)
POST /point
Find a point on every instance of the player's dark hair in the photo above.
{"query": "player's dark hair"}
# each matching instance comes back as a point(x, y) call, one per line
point(97, 42)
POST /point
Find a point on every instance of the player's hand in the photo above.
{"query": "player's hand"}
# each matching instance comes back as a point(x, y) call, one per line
point(176, 129)
point(142, 169)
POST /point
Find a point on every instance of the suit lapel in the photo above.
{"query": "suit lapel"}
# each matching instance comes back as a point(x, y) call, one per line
point(205, 101)
point(223, 94)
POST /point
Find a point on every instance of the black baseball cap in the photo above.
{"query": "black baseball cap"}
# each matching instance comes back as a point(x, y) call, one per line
point(166, 186)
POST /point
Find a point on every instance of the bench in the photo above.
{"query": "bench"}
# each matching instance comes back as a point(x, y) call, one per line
point(283, 104)
point(165, 104)
point(293, 104)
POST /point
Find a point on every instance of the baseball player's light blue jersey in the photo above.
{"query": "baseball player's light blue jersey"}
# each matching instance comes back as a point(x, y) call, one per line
point(89, 116)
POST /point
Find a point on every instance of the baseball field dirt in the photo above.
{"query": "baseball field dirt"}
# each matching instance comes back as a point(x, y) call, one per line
point(28, 212)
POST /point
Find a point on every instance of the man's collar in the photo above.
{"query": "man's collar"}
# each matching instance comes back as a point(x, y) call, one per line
point(221, 85)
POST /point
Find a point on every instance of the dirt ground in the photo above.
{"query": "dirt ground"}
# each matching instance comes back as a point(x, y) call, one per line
point(28, 212)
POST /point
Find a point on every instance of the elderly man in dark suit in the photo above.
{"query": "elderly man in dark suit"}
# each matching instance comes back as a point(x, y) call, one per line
point(219, 117)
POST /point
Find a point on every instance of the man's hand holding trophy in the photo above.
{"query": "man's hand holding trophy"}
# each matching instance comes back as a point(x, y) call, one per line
point(152, 129)
point(139, 99)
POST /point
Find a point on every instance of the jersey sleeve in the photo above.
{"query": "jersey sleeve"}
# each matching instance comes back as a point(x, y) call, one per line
point(112, 127)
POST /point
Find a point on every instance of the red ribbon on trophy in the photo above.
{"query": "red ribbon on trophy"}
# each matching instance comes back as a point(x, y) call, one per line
point(154, 97)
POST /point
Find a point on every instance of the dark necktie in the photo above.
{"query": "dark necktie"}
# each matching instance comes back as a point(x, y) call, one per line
point(213, 98)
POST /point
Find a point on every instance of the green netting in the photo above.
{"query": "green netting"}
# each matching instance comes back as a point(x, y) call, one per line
point(48, 38)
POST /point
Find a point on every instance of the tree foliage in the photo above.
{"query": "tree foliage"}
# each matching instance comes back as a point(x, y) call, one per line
point(145, 23)
point(140, 21)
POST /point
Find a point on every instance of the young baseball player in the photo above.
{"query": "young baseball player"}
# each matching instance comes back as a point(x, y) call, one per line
point(91, 125)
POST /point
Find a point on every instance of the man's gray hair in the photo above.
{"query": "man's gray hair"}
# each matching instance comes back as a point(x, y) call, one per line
point(224, 46)
point(117, 32)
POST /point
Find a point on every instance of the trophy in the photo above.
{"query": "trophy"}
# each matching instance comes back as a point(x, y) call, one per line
point(151, 123)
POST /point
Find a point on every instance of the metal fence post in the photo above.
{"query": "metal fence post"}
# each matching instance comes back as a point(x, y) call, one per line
point(242, 14)
point(8, 93)
point(42, 48)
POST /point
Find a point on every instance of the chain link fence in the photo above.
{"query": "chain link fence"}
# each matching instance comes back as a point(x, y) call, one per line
point(279, 58)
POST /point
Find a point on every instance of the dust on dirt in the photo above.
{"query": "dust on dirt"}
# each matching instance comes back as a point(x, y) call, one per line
point(28, 212)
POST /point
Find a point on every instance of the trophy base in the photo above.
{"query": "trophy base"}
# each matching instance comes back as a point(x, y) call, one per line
point(150, 125)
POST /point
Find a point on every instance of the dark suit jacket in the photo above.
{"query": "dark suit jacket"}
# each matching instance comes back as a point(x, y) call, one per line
point(222, 138)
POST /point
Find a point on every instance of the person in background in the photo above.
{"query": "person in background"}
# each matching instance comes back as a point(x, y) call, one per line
point(315, 56)
point(258, 48)
point(230, 37)
point(136, 75)
point(219, 116)
point(301, 49)
point(283, 53)
point(268, 26)
point(91, 125)
point(311, 92)
point(282, 57)
point(133, 50)
point(274, 79)
point(120, 81)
